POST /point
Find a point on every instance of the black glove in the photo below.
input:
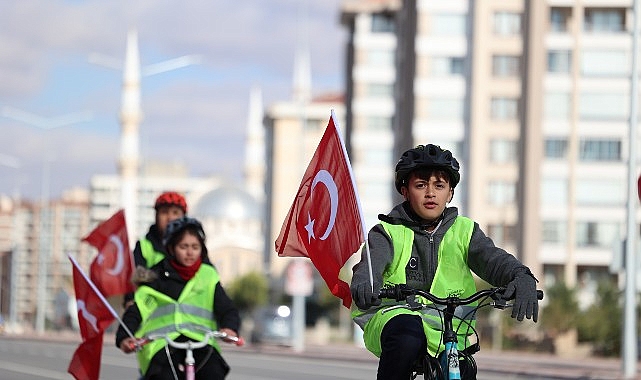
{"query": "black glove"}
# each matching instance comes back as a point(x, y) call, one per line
point(364, 297)
point(523, 289)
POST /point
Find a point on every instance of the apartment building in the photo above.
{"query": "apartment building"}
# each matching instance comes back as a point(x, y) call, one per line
point(532, 97)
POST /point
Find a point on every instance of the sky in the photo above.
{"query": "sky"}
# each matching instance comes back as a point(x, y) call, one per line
point(195, 115)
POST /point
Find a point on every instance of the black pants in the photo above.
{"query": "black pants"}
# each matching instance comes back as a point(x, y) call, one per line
point(403, 342)
point(209, 365)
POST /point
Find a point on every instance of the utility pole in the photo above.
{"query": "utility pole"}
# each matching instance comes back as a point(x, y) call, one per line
point(44, 250)
point(629, 313)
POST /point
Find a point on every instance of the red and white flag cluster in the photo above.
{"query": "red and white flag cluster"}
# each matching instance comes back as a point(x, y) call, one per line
point(324, 222)
point(94, 316)
point(110, 272)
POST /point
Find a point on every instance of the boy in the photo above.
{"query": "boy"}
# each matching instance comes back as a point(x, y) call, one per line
point(426, 245)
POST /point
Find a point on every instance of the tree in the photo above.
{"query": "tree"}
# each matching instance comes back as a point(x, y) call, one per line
point(601, 323)
point(249, 291)
point(562, 310)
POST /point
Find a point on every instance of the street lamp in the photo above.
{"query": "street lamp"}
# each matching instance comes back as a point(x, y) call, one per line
point(46, 124)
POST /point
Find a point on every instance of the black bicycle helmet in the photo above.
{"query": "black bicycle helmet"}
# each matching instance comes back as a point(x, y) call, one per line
point(426, 156)
point(178, 225)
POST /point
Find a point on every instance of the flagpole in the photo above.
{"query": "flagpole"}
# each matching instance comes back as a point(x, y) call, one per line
point(102, 298)
point(358, 200)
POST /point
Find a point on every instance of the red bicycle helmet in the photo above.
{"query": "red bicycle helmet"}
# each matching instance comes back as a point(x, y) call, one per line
point(426, 156)
point(171, 198)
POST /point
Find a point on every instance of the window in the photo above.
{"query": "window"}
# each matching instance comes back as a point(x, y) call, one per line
point(559, 61)
point(554, 231)
point(604, 20)
point(600, 150)
point(503, 151)
point(556, 148)
point(501, 233)
point(556, 106)
point(446, 66)
point(605, 63)
point(591, 191)
point(593, 234)
point(507, 23)
point(505, 65)
point(378, 123)
point(554, 191)
point(501, 193)
point(378, 90)
point(559, 19)
point(382, 23)
point(603, 106)
point(504, 108)
point(446, 108)
point(380, 57)
point(449, 24)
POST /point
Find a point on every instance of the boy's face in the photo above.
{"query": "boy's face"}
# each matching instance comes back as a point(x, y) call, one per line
point(428, 196)
point(166, 214)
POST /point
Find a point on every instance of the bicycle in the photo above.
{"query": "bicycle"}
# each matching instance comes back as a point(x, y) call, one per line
point(189, 346)
point(448, 367)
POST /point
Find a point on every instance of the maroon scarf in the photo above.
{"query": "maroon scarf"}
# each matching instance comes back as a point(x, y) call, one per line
point(186, 272)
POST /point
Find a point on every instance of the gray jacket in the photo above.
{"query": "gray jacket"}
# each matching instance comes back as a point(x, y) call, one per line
point(487, 261)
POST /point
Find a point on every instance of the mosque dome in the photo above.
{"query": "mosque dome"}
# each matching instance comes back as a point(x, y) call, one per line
point(228, 202)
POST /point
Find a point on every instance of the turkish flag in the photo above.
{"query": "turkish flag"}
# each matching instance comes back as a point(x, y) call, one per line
point(94, 316)
point(324, 222)
point(112, 269)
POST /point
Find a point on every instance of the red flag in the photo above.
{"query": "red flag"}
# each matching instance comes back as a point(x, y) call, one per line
point(111, 270)
point(94, 316)
point(324, 222)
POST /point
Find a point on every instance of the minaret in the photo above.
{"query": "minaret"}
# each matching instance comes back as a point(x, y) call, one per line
point(255, 147)
point(302, 91)
point(130, 118)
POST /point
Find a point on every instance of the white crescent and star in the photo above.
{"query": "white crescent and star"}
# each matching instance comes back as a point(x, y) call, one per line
point(326, 179)
point(120, 256)
point(86, 315)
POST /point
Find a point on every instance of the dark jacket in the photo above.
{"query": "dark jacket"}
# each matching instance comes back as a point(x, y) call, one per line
point(169, 282)
point(486, 260)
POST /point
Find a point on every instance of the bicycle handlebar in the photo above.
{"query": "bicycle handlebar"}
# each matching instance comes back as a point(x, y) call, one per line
point(401, 292)
point(238, 341)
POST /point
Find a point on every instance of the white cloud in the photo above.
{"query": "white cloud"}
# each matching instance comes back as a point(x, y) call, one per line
point(196, 115)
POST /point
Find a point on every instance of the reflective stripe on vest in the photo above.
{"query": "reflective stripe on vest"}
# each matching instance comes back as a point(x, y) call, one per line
point(191, 315)
point(449, 280)
point(152, 257)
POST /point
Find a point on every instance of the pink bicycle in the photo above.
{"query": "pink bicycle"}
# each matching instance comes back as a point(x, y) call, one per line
point(189, 347)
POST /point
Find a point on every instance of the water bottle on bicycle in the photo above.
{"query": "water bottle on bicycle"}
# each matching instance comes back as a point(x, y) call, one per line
point(424, 244)
point(180, 312)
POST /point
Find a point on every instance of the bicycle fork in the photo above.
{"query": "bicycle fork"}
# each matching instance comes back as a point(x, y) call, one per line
point(449, 359)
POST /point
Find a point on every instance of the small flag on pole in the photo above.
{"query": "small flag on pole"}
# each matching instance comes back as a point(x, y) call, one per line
point(112, 269)
point(94, 316)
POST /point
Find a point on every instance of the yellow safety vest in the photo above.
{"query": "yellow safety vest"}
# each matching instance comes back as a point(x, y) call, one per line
point(189, 315)
point(452, 278)
point(152, 257)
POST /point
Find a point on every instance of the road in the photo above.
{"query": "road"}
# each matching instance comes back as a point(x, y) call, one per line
point(27, 359)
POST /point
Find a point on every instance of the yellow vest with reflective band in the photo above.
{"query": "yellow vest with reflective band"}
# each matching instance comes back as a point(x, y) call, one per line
point(152, 257)
point(189, 315)
point(452, 278)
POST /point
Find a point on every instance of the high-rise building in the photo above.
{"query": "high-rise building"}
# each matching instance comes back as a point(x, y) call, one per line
point(531, 96)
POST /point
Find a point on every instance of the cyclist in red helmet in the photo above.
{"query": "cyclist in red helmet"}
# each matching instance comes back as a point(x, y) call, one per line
point(426, 245)
point(149, 250)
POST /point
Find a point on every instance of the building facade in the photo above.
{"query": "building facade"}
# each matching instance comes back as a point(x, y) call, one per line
point(531, 96)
